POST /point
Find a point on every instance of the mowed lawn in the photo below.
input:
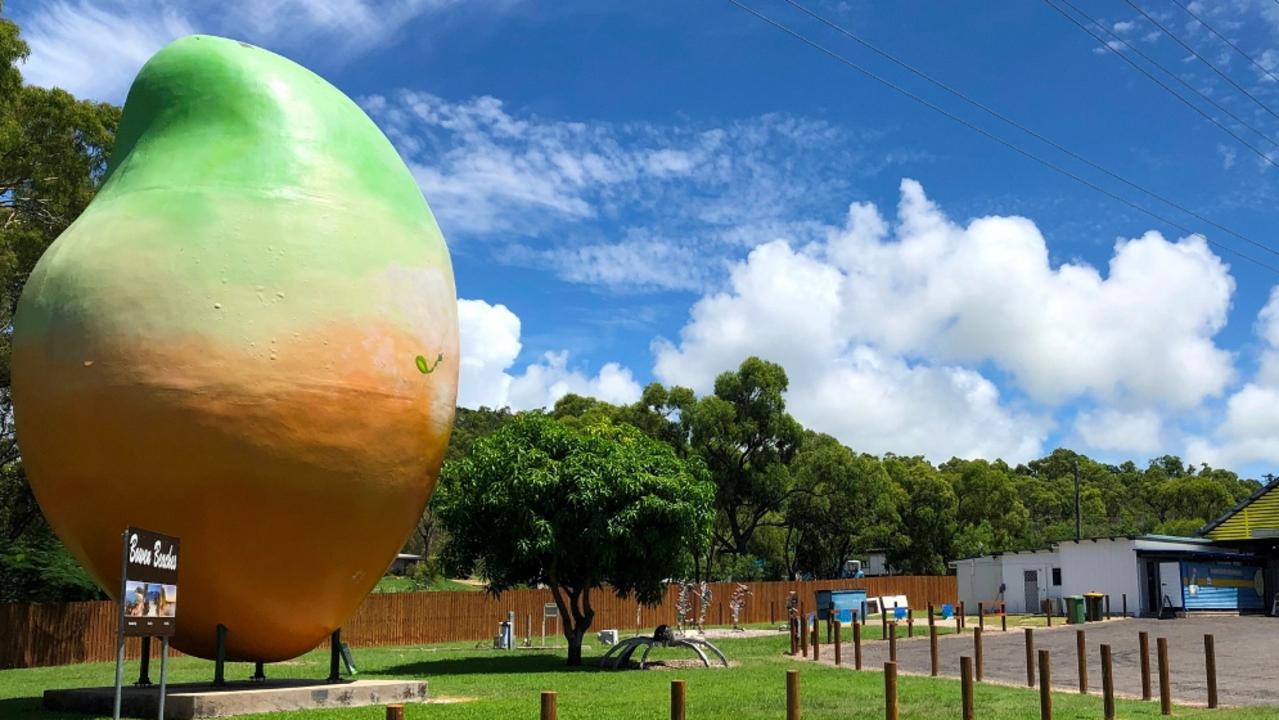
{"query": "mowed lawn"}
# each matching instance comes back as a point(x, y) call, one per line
point(506, 686)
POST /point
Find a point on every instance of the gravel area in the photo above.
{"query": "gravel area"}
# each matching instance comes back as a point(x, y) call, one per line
point(1247, 650)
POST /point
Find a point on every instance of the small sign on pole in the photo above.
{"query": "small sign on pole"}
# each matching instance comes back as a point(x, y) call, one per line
point(148, 599)
point(549, 610)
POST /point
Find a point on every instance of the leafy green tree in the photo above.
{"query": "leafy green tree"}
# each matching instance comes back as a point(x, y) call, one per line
point(541, 503)
point(929, 517)
point(746, 439)
point(53, 154)
point(987, 494)
point(843, 504)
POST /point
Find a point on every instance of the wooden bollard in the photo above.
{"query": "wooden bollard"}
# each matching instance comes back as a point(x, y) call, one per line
point(978, 654)
point(1081, 651)
point(792, 695)
point(1124, 606)
point(830, 619)
point(803, 631)
point(395, 712)
point(1030, 657)
point(966, 685)
point(794, 636)
point(1107, 607)
point(1143, 657)
point(1210, 667)
point(883, 623)
point(892, 641)
point(933, 654)
point(838, 642)
point(1003, 617)
point(1107, 684)
point(817, 638)
point(677, 700)
point(857, 645)
point(959, 619)
point(981, 616)
point(932, 621)
point(910, 622)
point(1045, 686)
point(1048, 611)
point(890, 691)
point(1165, 684)
point(772, 612)
point(548, 705)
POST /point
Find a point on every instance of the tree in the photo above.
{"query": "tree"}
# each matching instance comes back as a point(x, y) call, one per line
point(928, 515)
point(575, 509)
point(844, 503)
point(53, 155)
point(746, 438)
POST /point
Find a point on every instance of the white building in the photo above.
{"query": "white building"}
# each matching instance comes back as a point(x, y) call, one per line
point(1147, 570)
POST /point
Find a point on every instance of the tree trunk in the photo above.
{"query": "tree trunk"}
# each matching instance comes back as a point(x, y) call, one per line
point(576, 615)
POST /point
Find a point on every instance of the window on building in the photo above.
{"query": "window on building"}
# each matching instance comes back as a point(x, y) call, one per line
point(1056, 576)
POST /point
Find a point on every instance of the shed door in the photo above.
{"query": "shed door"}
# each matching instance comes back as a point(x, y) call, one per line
point(1032, 590)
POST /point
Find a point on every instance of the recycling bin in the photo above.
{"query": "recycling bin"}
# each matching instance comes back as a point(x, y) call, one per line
point(1095, 603)
point(1076, 612)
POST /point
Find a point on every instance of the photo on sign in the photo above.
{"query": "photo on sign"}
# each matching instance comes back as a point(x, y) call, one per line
point(143, 599)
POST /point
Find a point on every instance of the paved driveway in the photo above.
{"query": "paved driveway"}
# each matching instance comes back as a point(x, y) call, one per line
point(1247, 656)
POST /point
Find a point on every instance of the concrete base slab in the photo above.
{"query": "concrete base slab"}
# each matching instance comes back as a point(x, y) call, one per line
point(201, 700)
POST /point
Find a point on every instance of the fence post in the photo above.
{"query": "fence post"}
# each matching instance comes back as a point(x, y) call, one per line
point(838, 641)
point(395, 711)
point(931, 620)
point(966, 685)
point(548, 705)
point(910, 622)
point(1003, 616)
point(792, 695)
point(794, 636)
point(1107, 684)
point(1045, 686)
point(803, 631)
point(772, 612)
point(1165, 685)
point(1124, 607)
point(830, 618)
point(1081, 650)
point(817, 638)
point(1048, 611)
point(932, 649)
point(677, 700)
point(1143, 651)
point(890, 691)
point(883, 623)
point(1030, 657)
point(981, 616)
point(857, 644)
point(977, 652)
point(892, 641)
point(1107, 606)
point(959, 619)
point(1210, 667)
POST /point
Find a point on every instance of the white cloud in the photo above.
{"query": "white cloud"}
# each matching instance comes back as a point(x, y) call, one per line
point(490, 344)
point(881, 327)
point(1114, 430)
point(94, 49)
point(1249, 430)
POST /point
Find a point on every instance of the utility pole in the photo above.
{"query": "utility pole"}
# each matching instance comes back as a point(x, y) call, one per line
point(1079, 522)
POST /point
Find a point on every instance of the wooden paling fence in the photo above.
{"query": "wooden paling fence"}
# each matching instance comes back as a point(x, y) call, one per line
point(33, 635)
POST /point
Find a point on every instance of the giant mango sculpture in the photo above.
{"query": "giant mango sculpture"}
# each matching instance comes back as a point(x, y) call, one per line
point(248, 340)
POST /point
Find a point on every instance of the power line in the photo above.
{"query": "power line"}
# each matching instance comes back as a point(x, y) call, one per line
point(1137, 51)
point(1201, 58)
point(1029, 131)
point(1264, 156)
point(1227, 40)
point(986, 133)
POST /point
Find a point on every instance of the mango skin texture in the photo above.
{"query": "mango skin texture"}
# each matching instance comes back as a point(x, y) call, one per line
point(225, 347)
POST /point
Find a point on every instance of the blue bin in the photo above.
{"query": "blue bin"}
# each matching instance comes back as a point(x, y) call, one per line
point(947, 611)
point(899, 613)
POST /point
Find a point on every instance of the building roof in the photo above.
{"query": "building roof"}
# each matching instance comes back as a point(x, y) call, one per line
point(1256, 517)
point(1053, 547)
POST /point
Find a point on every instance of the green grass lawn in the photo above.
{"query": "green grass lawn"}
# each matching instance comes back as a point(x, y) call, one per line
point(398, 583)
point(506, 685)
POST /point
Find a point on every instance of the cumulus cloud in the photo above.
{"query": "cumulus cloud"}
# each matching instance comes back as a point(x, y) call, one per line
point(1249, 429)
point(489, 336)
point(94, 49)
point(881, 328)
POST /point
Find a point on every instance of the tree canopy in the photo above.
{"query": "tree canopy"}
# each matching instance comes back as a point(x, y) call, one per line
point(539, 502)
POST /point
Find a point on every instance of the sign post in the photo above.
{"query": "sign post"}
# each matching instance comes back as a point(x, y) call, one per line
point(148, 600)
point(549, 610)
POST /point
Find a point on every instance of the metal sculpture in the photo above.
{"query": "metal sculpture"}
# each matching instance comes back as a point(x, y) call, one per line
point(737, 603)
point(620, 654)
point(248, 340)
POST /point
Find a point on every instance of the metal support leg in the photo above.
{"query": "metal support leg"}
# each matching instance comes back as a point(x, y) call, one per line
point(144, 671)
point(219, 662)
point(259, 673)
point(164, 675)
point(335, 655)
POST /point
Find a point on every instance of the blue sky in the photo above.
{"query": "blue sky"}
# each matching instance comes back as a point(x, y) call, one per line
point(653, 191)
